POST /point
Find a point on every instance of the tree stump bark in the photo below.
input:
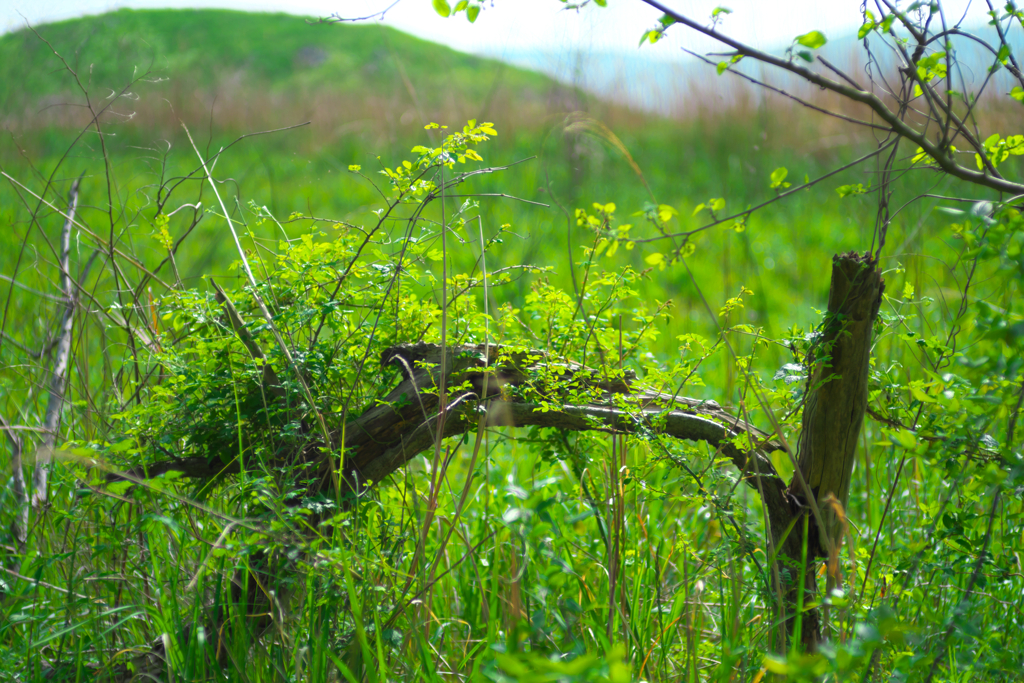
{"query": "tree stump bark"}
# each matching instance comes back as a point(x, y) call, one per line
point(835, 403)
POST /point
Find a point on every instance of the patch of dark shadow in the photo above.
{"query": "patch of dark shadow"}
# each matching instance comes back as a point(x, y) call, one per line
point(310, 56)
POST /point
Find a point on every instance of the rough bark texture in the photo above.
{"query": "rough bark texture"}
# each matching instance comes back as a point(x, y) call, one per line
point(837, 394)
point(405, 424)
point(837, 391)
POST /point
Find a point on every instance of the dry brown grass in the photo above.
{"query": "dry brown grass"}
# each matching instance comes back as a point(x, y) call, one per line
point(235, 103)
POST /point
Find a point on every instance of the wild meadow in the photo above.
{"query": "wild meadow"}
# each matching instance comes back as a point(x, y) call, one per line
point(265, 211)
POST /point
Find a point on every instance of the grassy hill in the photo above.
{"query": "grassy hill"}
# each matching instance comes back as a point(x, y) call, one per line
point(247, 70)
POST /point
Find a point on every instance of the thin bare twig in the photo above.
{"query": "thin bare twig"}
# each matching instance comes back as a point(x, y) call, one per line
point(59, 375)
point(897, 125)
point(337, 18)
point(19, 526)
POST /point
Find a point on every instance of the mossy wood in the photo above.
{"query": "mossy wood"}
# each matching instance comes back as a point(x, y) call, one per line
point(837, 394)
point(496, 386)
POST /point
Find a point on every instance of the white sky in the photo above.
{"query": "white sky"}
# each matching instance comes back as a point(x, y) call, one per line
point(519, 25)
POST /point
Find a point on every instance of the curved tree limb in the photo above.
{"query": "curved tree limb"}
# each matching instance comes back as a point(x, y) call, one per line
point(520, 388)
point(387, 436)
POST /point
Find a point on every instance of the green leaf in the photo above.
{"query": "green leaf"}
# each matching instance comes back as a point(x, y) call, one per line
point(775, 665)
point(778, 178)
point(905, 438)
point(472, 13)
point(866, 29)
point(725, 65)
point(805, 55)
point(932, 60)
point(847, 190)
point(813, 40)
point(442, 7)
point(918, 392)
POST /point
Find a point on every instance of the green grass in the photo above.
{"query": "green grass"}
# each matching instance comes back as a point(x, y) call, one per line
point(590, 558)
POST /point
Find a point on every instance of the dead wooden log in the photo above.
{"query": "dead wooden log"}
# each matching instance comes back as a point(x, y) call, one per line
point(505, 388)
point(837, 391)
point(836, 399)
point(511, 388)
point(522, 387)
point(508, 387)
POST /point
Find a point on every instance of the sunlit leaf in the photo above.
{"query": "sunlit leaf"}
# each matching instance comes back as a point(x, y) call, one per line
point(442, 7)
point(847, 190)
point(778, 177)
point(813, 40)
point(904, 438)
